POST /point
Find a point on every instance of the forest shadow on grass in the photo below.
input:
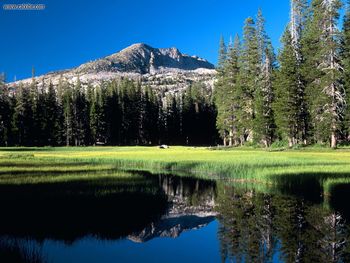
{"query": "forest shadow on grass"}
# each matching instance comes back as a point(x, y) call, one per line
point(52, 173)
point(36, 164)
point(27, 149)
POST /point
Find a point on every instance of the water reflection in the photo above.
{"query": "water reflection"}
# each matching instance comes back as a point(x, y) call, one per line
point(294, 224)
point(105, 209)
point(190, 206)
point(256, 226)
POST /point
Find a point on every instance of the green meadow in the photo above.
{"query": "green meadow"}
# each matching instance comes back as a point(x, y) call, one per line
point(242, 165)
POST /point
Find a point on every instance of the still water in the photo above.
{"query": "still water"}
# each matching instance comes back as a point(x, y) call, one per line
point(164, 218)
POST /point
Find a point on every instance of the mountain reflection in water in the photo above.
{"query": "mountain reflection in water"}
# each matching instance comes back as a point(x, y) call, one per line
point(133, 218)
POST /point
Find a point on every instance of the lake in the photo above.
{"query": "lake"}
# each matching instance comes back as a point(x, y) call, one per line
point(165, 218)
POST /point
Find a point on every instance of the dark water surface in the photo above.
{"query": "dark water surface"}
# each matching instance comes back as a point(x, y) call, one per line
point(164, 218)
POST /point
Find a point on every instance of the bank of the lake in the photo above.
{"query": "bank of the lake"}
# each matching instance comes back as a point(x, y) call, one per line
point(327, 167)
point(128, 203)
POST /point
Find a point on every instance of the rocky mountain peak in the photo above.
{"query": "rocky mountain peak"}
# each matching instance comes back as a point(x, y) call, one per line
point(143, 59)
point(172, 52)
point(161, 68)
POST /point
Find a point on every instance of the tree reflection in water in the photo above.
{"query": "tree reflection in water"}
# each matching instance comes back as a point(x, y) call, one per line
point(255, 226)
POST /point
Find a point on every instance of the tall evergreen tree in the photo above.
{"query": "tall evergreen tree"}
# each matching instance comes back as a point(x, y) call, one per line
point(290, 107)
point(131, 112)
point(113, 114)
point(80, 109)
point(227, 97)
point(323, 71)
point(173, 121)
point(297, 26)
point(150, 120)
point(5, 113)
point(188, 117)
point(262, 38)
point(287, 102)
point(264, 123)
point(96, 98)
point(332, 87)
point(222, 53)
point(23, 117)
point(52, 117)
point(67, 105)
point(40, 136)
point(346, 72)
point(249, 77)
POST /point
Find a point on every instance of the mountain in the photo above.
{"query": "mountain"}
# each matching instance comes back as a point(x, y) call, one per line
point(143, 59)
point(161, 68)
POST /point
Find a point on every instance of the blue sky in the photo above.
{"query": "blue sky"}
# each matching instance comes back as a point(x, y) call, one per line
point(70, 32)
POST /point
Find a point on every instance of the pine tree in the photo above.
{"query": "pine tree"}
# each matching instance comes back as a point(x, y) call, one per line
point(297, 26)
point(222, 53)
point(287, 100)
point(332, 69)
point(97, 123)
point(52, 117)
point(131, 100)
point(80, 110)
point(290, 106)
point(248, 78)
point(346, 66)
point(264, 124)
point(205, 114)
point(262, 38)
point(93, 113)
point(188, 117)
point(23, 117)
point(227, 97)
point(311, 73)
point(173, 121)
point(39, 110)
point(113, 113)
point(263, 97)
point(323, 60)
point(220, 92)
point(5, 113)
point(151, 118)
point(67, 105)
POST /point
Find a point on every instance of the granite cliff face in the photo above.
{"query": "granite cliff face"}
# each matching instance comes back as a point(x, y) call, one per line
point(143, 59)
point(165, 69)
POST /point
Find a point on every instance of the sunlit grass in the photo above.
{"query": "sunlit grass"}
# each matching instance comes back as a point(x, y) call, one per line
point(260, 166)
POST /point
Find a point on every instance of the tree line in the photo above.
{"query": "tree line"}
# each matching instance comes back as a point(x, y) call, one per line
point(119, 112)
point(300, 96)
point(254, 226)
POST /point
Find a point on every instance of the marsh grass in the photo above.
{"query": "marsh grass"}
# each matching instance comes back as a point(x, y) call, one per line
point(264, 167)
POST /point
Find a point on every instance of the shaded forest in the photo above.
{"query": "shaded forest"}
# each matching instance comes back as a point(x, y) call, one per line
point(115, 113)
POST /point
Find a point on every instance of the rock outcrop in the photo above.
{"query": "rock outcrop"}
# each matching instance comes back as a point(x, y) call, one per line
point(165, 69)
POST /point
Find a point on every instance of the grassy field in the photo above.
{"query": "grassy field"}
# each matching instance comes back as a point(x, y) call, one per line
point(328, 167)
